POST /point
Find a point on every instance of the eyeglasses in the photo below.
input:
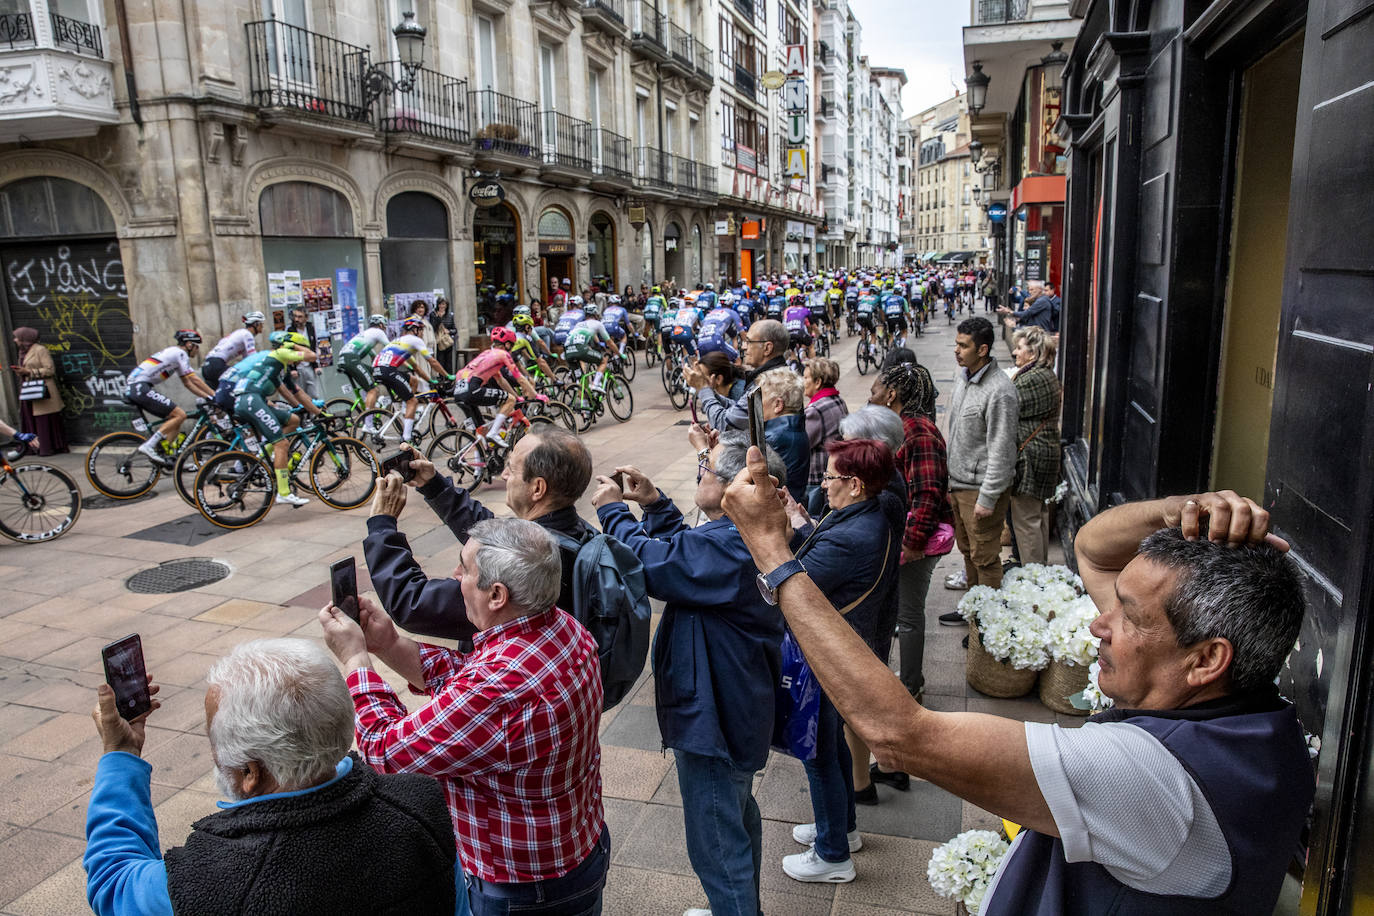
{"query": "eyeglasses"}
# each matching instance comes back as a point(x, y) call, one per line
point(830, 477)
point(703, 469)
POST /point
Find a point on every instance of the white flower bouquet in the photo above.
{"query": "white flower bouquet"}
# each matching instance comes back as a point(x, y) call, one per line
point(1071, 641)
point(1092, 698)
point(963, 868)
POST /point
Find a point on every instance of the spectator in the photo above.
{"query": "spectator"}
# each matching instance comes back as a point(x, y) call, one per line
point(510, 729)
point(280, 725)
point(990, 295)
point(823, 412)
point(764, 347)
point(1055, 305)
point(545, 475)
point(852, 557)
point(982, 457)
point(306, 371)
point(420, 309)
point(873, 422)
point(716, 662)
point(895, 357)
point(784, 427)
point(1037, 433)
point(1039, 310)
point(1191, 794)
point(445, 333)
point(725, 378)
point(41, 417)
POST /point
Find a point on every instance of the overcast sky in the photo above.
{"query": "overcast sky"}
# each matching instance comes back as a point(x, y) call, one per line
point(922, 37)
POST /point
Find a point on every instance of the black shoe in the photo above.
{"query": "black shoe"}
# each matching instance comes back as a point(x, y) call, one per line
point(952, 619)
point(897, 780)
point(965, 642)
point(867, 796)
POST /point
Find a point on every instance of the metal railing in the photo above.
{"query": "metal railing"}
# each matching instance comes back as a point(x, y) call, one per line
point(508, 124)
point(706, 178)
point(291, 67)
point(647, 23)
point(564, 140)
point(993, 12)
point(436, 105)
point(614, 8)
point(81, 37)
point(685, 173)
point(679, 44)
point(653, 167)
point(744, 82)
point(16, 30)
point(701, 57)
point(610, 152)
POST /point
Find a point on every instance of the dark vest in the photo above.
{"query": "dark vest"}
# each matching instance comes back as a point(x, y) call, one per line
point(1248, 757)
point(366, 844)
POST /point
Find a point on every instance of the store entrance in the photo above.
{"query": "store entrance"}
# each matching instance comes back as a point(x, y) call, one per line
point(553, 268)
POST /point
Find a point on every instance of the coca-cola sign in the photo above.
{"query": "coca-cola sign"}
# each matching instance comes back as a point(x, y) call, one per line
point(486, 193)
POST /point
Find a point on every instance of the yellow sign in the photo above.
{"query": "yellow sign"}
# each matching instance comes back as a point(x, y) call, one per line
point(796, 163)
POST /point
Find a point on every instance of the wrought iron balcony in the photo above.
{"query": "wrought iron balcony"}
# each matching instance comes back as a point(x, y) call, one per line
point(648, 30)
point(744, 82)
point(16, 30)
point(436, 105)
point(653, 168)
point(291, 67)
point(564, 140)
point(679, 48)
point(509, 125)
point(610, 153)
point(701, 58)
point(707, 178)
point(685, 172)
point(74, 35)
point(996, 12)
point(57, 83)
point(607, 15)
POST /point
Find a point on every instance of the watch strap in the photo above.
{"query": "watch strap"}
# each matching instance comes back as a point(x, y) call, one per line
point(784, 572)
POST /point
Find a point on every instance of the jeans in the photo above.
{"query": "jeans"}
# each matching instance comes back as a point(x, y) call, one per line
point(831, 778)
point(913, 582)
point(724, 832)
point(578, 893)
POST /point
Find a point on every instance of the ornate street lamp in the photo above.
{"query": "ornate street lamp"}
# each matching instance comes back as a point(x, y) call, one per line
point(977, 83)
point(410, 45)
point(975, 150)
point(1053, 64)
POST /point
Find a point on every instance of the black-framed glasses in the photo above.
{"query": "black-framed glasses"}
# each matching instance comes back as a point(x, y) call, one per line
point(830, 477)
point(752, 340)
point(703, 469)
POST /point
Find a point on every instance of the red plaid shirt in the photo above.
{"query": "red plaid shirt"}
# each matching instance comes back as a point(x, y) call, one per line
point(923, 464)
point(511, 733)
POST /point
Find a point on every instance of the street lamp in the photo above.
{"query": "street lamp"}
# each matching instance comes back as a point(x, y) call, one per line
point(410, 45)
point(977, 83)
point(1053, 64)
point(975, 150)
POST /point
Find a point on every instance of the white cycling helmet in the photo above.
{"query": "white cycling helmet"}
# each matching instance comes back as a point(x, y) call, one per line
point(254, 318)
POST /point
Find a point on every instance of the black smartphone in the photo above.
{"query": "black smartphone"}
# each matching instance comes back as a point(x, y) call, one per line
point(399, 461)
point(754, 399)
point(343, 585)
point(126, 674)
point(619, 479)
point(692, 402)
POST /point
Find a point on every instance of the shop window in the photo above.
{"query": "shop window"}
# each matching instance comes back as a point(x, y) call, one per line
point(554, 224)
point(415, 253)
point(37, 207)
point(416, 215)
point(299, 209)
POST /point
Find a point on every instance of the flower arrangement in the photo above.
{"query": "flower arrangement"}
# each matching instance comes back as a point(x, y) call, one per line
point(1016, 623)
point(1071, 641)
point(1092, 698)
point(963, 868)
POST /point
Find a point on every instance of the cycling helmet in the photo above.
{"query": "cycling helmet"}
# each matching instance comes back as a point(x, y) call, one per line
point(656, 291)
point(413, 323)
point(295, 339)
point(613, 299)
point(576, 302)
point(276, 338)
point(187, 335)
point(254, 318)
point(591, 309)
point(502, 335)
point(798, 299)
point(710, 286)
point(522, 310)
point(377, 321)
point(524, 322)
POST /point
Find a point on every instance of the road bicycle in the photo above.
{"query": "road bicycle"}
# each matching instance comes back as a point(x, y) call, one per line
point(674, 380)
point(472, 458)
point(870, 352)
point(38, 502)
point(352, 408)
point(623, 363)
point(383, 427)
point(589, 402)
point(117, 469)
point(653, 345)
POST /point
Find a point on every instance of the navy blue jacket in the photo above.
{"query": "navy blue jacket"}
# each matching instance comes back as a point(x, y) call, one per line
point(716, 654)
point(1038, 314)
point(787, 435)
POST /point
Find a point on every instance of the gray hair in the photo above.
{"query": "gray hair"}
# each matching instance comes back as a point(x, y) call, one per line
point(282, 703)
point(734, 451)
point(523, 557)
point(1251, 596)
point(873, 421)
point(772, 331)
point(783, 383)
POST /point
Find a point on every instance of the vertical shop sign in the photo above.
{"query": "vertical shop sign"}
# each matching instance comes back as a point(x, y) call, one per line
point(795, 103)
point(346, 289)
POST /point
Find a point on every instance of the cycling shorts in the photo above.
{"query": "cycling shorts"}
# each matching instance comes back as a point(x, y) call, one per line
point(559, 337)
point(224, 396)
point(896, 323)
point(144, 395)
point(799, 338)
point(214, 367)
point(269, 421)
point(583, 355)
point(865, 321)
point(717, 344)
point(686, 337)
point(466, 392)
point(616, 331)
point(357, 373)
point(396, 380)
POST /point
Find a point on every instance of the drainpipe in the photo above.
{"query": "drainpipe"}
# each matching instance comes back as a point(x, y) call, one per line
point(122, 24)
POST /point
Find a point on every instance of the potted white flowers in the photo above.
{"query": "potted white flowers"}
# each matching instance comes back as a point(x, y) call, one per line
point(1072, 649)
point(963, 868)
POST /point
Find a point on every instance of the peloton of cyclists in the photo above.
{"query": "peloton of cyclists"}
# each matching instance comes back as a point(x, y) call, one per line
point(259, 379)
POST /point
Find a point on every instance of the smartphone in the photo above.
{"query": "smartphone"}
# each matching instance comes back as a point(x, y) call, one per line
point(343, 585)
point(126, 674)
point(399, 461)
point(754, 399)
point(692, 402)
point(619, 478)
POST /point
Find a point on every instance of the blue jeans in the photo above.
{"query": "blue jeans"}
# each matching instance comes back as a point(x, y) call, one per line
point(578, 893)
point(832, 786)
point(724, 832)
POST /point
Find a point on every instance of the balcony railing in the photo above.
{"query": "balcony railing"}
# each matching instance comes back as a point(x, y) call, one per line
point(291, 67)
point(615, 8)
point(701, 57)
point(81, 37)
point(653, 168)
point(746, 8)
point(685, 172)
point(744, 82)
point(994, 12)
point(680, 44)
point(564, 140)
point(706, 177)
point(508, 125)
point(610, 153)
point(647, 23)
point(436, 105)
point(16, 30)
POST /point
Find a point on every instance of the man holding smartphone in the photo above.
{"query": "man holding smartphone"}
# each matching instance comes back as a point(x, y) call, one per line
point(764, 347)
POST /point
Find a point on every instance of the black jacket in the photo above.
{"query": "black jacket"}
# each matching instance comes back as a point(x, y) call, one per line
point(434, 607)
point(366, 844)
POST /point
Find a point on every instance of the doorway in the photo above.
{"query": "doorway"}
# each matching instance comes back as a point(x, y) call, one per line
point(1254, 286)
point(556, 250)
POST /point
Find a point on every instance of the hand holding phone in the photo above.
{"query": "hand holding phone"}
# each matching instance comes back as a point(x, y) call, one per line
point(399, 461)
point(127, 676)
point(618, 478)
point(754, 399)
point(343, 586)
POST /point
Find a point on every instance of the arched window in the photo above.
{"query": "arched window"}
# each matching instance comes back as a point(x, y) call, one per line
point(416, 215)
point(555, 224)
point(45, 206)
point(601, 247)
point(301, 209)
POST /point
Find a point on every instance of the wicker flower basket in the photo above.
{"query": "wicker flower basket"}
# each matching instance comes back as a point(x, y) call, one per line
point(987, 675)
point(960, 909)
point(1060, 681)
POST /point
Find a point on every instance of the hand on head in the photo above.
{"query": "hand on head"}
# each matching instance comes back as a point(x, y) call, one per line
point(1231, 519)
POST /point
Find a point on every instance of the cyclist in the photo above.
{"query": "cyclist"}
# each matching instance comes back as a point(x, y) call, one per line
point(743, 307)
point(820, 313)
point(390, 369)
point(486, 380)
point(797, 320)
point(232, 347)
point(617, 320)
point(264, 378)
point(777, 302)
point(567, 321)
point(834, 302)
point(143, 393)
point(719, 330)
point(589, 342)
point(682, 329)
point(528, 345)
point(894, 312)
point(864, 315)
point(287, 391)
point(707, 299)
point(355, 361)
point(951, 302)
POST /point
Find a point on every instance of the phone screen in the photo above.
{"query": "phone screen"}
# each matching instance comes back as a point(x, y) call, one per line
point(400, 463)
point(755, 401)
point(343, 584)
point(126, 674)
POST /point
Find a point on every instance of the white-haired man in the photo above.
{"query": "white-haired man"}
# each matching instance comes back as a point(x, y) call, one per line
point(300, 806)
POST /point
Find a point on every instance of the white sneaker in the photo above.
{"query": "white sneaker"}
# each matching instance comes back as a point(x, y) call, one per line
point(805, 834)
point(291, 499)
point(808, 866)
point(150, 449)
point(696, 911)
point(956, 581)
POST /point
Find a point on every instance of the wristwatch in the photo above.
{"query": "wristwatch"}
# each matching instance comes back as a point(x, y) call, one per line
point(770, 583)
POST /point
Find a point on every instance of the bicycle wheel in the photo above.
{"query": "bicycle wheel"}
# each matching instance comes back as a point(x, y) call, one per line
point(669, 367)
point(437, 423)
point(340, 407)
point(189, 463)
point(679, 394)
point(823, 344)
point(384, 433)
point(862, 358)
point(343, 472)
point(626, 366)
point(116, 468)
point(457, 452)
point(235, 489)
point(38, 502)
point(553, 410)
point(619, 400)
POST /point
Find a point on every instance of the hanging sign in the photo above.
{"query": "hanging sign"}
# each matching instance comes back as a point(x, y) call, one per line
point(796, 163)
point(636, 216)
point(722, 227)
point(773, 79)
point(796, 127)
point(486, 193)
point(997, 212)
point(796, 60)
point(794, 95)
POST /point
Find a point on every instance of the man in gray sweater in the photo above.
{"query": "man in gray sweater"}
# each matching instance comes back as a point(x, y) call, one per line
point(982, 454)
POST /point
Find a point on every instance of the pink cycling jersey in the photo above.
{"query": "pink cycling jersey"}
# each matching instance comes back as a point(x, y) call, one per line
point(483, 367)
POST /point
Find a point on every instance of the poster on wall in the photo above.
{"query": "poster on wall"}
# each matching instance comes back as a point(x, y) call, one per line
point(276, 290)
point(324, 349)
point(317, 294)
point(346, 289)
point(402, 303)
point(291, 287)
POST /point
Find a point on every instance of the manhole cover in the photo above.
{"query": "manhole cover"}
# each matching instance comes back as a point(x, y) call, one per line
point(100, 501)
point(177, 576)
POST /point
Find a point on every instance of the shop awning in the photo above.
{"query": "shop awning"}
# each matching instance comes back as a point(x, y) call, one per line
point(956, 257)
point(1039, 189)
point(929, 255)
